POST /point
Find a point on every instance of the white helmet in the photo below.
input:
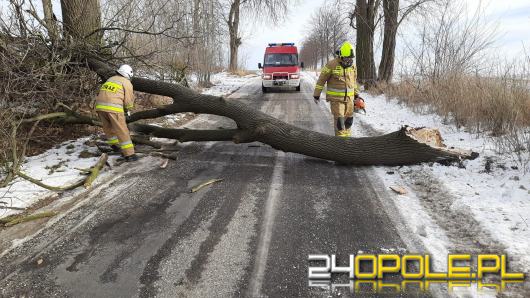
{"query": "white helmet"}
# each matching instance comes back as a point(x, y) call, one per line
point(126, 71)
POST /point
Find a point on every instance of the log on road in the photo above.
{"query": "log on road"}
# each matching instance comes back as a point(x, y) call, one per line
point(397, 148)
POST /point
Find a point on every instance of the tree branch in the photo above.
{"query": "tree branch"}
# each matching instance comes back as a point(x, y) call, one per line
point(189, 135)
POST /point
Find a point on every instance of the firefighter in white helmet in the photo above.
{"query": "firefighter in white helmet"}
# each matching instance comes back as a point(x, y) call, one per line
point(114, 101)
point(340, 75)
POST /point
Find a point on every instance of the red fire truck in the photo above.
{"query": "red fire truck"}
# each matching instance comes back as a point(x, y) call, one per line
point(280, 67)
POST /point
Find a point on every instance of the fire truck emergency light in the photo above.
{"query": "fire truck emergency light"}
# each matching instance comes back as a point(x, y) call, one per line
point(281, 44)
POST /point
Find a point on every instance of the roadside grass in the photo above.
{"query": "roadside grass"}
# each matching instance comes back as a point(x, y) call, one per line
point(496, 107)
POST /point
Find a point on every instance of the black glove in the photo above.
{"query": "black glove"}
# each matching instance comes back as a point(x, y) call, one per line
point(317, 98)
point(356, 96)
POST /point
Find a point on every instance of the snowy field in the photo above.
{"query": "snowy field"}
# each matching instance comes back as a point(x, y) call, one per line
point(455, 209)
point(60, 166)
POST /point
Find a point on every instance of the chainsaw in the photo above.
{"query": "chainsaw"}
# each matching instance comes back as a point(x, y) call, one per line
point(359, 105)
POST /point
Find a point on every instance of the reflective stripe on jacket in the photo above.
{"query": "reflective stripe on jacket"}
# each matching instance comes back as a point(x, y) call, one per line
point(115, 95)
point(342, 82)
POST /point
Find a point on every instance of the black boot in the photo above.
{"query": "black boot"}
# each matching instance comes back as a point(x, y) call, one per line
point(129, 158)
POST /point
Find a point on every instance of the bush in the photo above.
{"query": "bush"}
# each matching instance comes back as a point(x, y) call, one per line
point(34, 77)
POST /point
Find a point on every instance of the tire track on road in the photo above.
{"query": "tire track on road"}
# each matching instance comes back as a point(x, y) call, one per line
point(275, 189)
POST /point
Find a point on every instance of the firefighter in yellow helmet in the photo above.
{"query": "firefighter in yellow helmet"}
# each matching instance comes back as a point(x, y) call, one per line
point(341, 77)
point(114, 101)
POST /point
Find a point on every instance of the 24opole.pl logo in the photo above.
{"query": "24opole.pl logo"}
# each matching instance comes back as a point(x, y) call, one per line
point(415, 272)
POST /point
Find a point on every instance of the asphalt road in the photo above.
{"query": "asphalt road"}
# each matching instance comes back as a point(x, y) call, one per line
point(144, 234)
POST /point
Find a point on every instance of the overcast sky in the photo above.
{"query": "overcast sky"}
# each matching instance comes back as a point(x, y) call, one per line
point(256, 38)
point(512, 18)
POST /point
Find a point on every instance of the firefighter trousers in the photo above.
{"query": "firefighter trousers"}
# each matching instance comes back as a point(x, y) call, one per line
point(116, 131)
point(342, 117)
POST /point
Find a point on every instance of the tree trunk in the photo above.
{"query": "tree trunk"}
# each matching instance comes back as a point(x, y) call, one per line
point(82, 20)
point(197, 41)
point(365, 20)
point(386, 66)
point(397, 148)
point(50, 21)
point(233, 31)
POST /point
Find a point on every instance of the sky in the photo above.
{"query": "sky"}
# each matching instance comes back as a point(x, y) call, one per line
point(257, 37)
point(511, 18)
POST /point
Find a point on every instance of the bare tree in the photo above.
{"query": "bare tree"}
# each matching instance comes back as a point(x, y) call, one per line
point(50, 20)
point(394, 15)
point(363, 19)
point(310, 51)
point(170, 39)
point(208, 34)
point(449, 43)
point(386, 66)
point(233, 31)
point(273, 10)
point(326, 34)
point(18, 10)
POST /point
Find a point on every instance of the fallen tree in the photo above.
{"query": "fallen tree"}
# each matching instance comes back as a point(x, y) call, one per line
point(405, 146)
point(398, 148)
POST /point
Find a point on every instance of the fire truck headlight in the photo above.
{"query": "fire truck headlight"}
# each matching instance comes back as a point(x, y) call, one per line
point(267, 77)
point(294, 76)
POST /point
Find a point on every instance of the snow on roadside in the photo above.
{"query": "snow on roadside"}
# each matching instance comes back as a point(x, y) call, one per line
point(56, 167)
point(225, 83)
point(59, 166)
point(498, 200)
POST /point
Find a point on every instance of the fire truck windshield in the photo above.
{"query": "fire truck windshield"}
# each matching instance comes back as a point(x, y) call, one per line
point(281, 60)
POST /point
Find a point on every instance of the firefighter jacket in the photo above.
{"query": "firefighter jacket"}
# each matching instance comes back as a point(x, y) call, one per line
point(115, 96)
point(342, 82)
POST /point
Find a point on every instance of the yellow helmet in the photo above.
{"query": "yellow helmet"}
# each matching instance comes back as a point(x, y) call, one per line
point(347, 50)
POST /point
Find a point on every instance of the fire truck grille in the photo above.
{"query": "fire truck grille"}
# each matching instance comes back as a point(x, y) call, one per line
point(281, 76)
